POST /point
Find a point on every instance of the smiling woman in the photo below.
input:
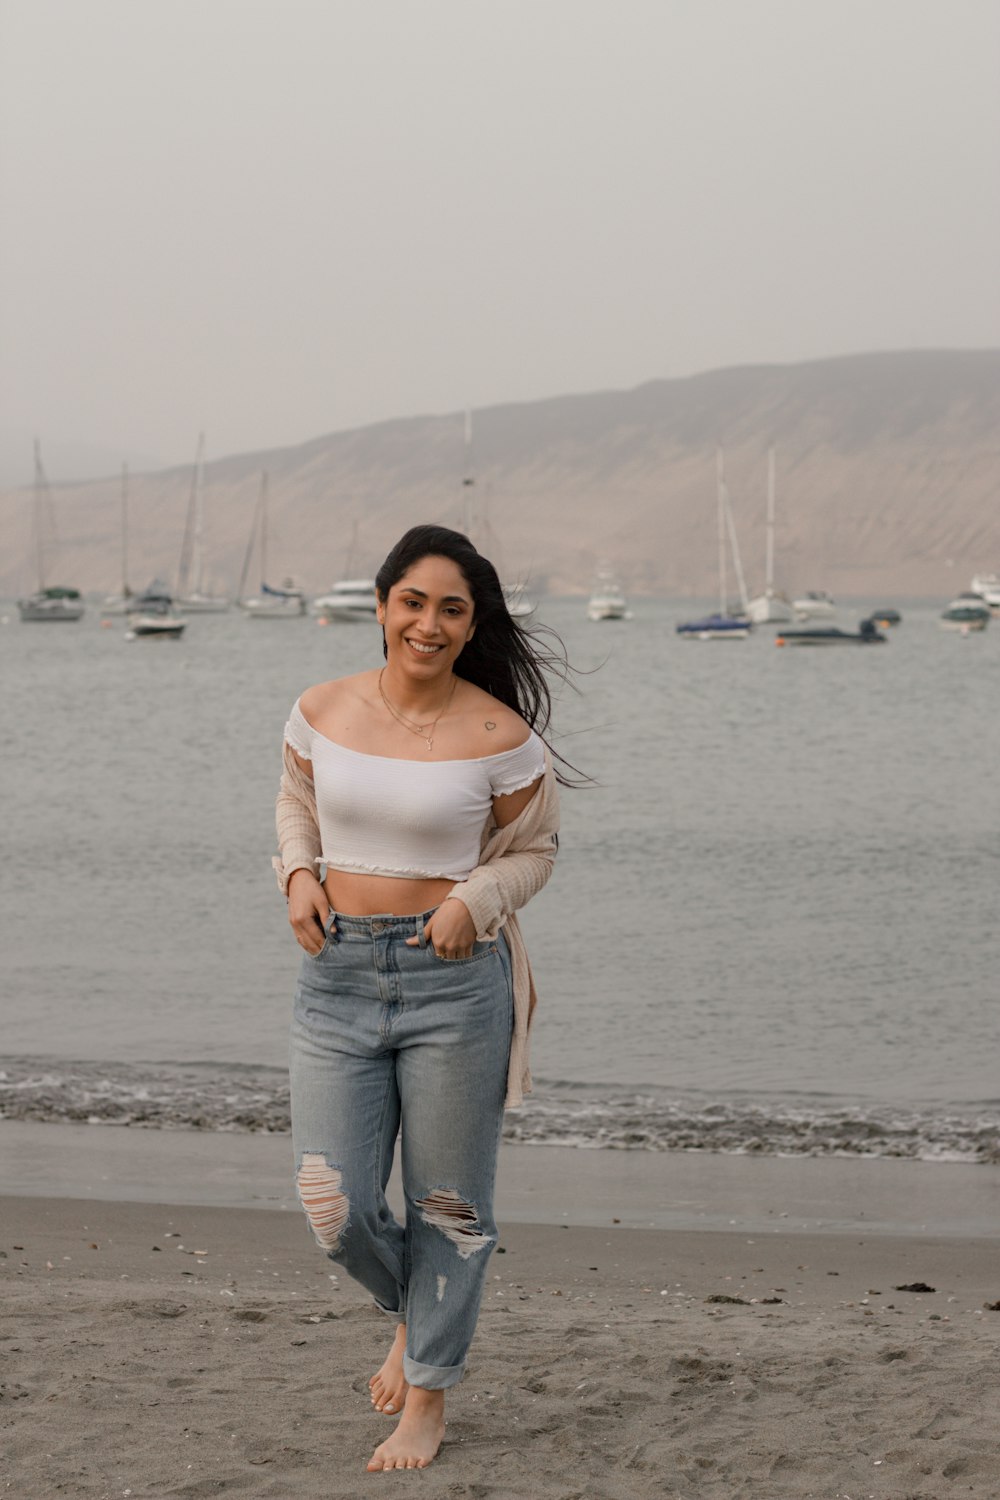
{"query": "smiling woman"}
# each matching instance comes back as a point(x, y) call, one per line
point(426, 791)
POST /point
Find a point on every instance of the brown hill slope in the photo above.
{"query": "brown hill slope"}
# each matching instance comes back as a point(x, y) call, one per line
point(888, 482)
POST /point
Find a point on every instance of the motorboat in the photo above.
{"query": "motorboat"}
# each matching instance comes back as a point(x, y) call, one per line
point(51, 604)
point(607, 602)
point(966, 613)
point(867, 634)
point(717, 627)
point(518, 603)
point(153, 614)
point(886, 617)
point(987, 586)
point(351, 599)
point(815, 604)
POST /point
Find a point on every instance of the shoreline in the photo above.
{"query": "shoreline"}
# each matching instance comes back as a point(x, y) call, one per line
point(537, 1184)
point(156, 1350)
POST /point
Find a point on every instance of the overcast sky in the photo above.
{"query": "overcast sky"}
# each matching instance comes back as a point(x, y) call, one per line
point(272, 219)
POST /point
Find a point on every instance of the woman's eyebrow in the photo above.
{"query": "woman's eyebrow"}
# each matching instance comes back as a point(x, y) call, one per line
point(447, 599)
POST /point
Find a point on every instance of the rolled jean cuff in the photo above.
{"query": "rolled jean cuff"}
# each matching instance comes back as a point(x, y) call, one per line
point(432, 1377)
point(396, 1317)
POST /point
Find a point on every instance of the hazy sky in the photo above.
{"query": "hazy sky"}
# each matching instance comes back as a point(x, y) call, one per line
point(277, 218)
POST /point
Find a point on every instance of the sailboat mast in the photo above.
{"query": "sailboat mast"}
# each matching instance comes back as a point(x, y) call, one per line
point(720, 490)
point(263, 527)
point(737, 562)
point(199, 487)
point(468, 479)
point(126, 591)
point(769, 564)
point(37, 516)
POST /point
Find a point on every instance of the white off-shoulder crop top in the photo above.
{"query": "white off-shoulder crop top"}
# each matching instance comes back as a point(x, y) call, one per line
point(411, 819)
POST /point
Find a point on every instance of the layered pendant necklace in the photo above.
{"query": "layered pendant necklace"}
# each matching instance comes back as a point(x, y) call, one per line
point(425, 731)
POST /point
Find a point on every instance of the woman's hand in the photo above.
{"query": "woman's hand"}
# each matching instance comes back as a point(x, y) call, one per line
point(450, 930)
point(308, 910)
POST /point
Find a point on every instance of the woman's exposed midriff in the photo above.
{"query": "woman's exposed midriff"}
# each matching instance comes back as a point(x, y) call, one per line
point(382, 895)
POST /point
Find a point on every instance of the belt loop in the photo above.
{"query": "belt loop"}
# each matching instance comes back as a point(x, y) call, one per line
point(421, 935)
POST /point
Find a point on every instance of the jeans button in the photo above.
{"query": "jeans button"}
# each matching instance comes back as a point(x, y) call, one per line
point(378, 927)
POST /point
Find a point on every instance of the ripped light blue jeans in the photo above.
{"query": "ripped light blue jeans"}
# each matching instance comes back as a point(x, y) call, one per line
point(391, 1039)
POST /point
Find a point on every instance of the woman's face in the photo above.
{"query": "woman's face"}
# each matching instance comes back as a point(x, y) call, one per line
point(428, 617)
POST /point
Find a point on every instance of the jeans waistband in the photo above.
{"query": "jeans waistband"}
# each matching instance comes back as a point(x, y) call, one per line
point(383, 924)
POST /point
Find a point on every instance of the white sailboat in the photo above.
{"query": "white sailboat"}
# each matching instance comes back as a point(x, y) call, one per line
point(191, 593)
point(121, 603)
point(769, 608)
point(725, 625)
point(49, 602)
point(285, 603)
point(519, 604)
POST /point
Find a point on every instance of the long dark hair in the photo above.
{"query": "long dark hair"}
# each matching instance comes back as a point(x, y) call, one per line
point(505, 658)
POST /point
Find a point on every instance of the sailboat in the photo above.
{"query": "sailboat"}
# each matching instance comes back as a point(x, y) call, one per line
point(519, 604)
point(49, 601)
point(121, 603)
point(285, 603)
point(769, 608)
point(724, 625)
point(190, 593)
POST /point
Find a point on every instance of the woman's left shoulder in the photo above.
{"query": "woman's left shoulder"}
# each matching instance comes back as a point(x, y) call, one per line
point(493, 726)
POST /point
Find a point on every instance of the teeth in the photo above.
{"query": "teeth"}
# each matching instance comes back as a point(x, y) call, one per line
point(424, 650)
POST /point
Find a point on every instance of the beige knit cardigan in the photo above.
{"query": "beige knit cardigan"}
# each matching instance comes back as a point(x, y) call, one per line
point(514, 864)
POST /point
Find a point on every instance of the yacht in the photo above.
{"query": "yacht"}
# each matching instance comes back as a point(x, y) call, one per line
point(607, 602)
point(350, 599)
point(987, 586)
point(965, 613)
point(816, 604)
point(518, 603)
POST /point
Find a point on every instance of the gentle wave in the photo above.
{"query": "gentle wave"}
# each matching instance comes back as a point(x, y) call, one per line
point(255, 1100)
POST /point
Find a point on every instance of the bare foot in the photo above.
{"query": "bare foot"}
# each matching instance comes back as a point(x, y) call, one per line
point(388, 1385)
point(418, 1434)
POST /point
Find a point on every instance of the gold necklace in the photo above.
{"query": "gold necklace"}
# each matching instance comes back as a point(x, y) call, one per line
point(411, 724)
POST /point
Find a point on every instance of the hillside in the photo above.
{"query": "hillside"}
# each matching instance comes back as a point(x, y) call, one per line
point(888, 483)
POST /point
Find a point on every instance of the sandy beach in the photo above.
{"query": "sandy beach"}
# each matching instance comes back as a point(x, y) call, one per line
point(162, 1350)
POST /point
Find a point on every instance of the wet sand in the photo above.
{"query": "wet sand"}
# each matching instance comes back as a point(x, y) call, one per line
point(157, 1351)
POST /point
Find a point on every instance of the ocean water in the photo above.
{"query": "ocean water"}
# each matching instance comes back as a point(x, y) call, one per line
point(772, 928)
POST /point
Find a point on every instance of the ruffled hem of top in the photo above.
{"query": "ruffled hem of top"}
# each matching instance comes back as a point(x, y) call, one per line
point(518, 786)
point(305, 754)
point(357, 868)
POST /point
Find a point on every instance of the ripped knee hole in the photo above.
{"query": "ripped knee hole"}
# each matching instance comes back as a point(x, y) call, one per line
point(446, 1210)
point(321, 1195)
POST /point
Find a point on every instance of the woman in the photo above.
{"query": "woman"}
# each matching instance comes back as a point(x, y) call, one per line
point(425, 790)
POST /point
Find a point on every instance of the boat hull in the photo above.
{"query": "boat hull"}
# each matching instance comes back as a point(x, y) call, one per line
point(769, 609)
point(44, 609)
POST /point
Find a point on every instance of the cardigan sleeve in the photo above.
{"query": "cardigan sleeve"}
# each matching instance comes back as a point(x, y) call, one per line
point(296, 822)
point(515, 862)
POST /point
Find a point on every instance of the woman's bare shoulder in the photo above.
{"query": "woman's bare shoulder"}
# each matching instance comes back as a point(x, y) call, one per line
point(322, 697)
point(493, 726)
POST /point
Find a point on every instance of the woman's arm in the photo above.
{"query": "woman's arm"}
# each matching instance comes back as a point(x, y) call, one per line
point(300, 847)
point(517, 858)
